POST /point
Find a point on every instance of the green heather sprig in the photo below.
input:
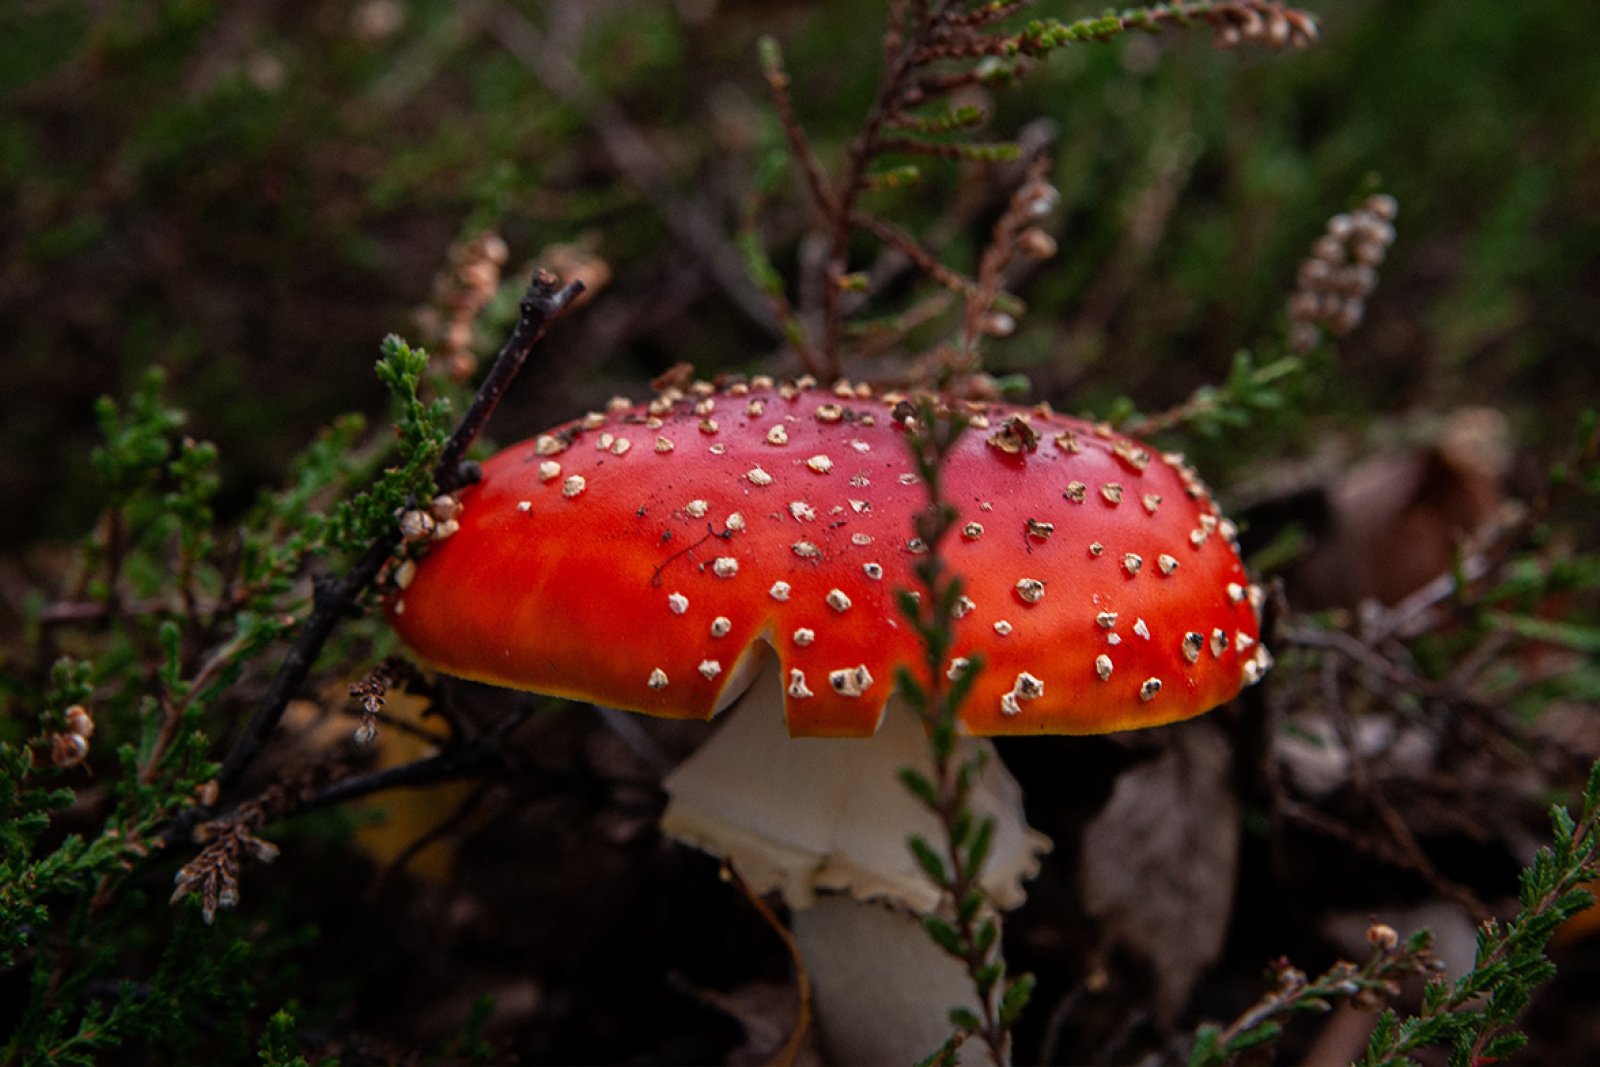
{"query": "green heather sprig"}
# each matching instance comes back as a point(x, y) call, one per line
point(969, 927)
point(1472, 1018)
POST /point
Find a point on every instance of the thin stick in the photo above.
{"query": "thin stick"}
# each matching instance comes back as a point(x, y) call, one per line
point(333, 598)
point(790, 1052)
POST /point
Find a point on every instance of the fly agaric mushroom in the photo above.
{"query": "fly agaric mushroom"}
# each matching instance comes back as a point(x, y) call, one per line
point(652, 557)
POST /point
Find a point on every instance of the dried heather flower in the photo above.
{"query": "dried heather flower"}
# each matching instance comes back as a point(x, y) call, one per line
point(1341, 272)
point(213, 876)
point(460, 293)
point(371, 691)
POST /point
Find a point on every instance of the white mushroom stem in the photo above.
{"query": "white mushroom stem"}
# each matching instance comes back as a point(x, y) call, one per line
point(825, 822)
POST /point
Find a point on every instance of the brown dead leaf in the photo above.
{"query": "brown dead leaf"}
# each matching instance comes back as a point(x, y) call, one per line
point(1160, 860)
point(1399, 517)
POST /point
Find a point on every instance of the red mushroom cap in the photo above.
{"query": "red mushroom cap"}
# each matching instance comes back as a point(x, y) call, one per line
point(637, 558)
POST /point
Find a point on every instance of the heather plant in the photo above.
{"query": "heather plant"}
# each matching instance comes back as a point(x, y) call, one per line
point(146, 688)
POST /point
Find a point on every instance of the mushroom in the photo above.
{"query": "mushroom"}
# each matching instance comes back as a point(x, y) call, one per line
point(660, 557)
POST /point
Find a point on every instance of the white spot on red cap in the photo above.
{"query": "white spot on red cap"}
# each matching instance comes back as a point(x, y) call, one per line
point(779, 591)
point(778, 435)
point(1031, 590)
point(757, 476)
point(806, 550)
point(1149, 688)
point(820, 464)
point(797, 684)
point(1028, 687)
point(958, 667)
point(1102, 666)
point(720, 626)
point(549, 470)
point(658, 679)
point(1141, 628)
point(1131, 562)
point(547, 445)
point(696, 509)
point(678, 603)
point(1167, 563)
point(802, 511)
point(804, 636)
point(850, 681)
point(710, 668)
point(725, 567)
point(838, 601)
point(573, 486)
point(1002, 627)
point(1112, 492)
point(872, 570)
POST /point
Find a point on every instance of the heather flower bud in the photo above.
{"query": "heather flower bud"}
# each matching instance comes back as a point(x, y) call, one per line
point(1036, 243)
point(79, 722)
point(999, 324)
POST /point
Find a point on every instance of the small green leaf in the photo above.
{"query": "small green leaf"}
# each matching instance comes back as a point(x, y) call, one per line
point(919, 786)
point(943, 934)
point(928, 860)
point(1016, 998)
point(965, 1019)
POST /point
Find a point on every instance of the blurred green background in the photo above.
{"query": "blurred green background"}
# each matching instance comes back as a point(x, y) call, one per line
point(252, 194)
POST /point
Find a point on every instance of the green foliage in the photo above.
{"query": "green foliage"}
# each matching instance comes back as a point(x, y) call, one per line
point(179, 622)
point(278, 1046)
point(420, 428)
point(1473, 1017)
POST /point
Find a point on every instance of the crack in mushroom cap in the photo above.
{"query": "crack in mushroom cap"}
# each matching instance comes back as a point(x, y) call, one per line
point(570, 597)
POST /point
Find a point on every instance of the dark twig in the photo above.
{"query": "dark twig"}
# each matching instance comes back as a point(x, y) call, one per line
point(541, 304)
point(334, 598)
point(459, 761)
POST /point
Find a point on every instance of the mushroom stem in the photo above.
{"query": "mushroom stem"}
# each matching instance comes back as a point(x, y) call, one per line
point(826, 822)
